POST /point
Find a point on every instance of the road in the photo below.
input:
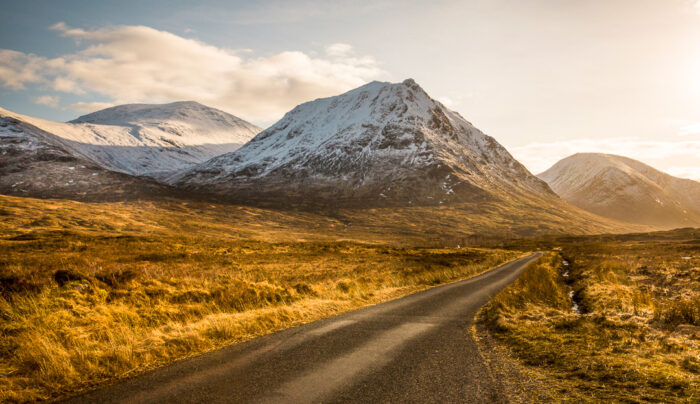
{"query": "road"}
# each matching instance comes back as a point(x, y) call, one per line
point(414, 349)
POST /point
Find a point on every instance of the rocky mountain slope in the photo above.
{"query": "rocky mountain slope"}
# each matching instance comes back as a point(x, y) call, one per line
point(625, 189)
point(35, 163)
point(381, 144)
point(148, 140)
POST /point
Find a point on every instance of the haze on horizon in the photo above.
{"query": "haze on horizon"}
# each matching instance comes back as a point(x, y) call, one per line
point(546, 78)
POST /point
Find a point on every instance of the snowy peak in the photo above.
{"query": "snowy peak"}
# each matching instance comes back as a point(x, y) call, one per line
point(179, 118)
point(148, 140)
point(146, 112)
point(191, 122)
point(386, 143)
point(625, 189)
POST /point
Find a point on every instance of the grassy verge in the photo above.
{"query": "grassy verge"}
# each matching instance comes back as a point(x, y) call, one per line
point(78, 308)
point(635, 334)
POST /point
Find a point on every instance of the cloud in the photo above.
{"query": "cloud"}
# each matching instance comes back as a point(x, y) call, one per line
point(87, 107)
point(129, 64)
point(681, 157)
point(690, 129)
point(48, 100)
point(339, 50)
point(18, 69)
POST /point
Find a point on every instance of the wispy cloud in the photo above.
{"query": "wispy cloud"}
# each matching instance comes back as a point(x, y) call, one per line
point(48, 100)
point(689, 129)
point(87, 107)
point(141, 64)
point(664, 155)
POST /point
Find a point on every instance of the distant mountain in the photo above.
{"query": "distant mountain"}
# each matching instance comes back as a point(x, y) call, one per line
point(35, 163)
point(381, 144)
point(148, 140)
point(625, 189)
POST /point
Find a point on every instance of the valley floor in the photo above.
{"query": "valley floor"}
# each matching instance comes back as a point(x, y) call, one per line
point(93, 292)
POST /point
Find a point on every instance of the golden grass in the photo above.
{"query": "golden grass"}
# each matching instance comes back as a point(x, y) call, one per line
point(638, 336)
point(438, 226)
point(79, 308)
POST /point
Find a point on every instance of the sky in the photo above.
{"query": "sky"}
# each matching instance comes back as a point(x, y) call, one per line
point(546, 78)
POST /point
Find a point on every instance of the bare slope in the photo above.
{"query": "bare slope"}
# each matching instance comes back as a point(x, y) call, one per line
point(625, 189)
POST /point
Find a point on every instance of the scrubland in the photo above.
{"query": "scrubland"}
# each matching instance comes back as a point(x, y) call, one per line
point(94, 292)
point(606, 318)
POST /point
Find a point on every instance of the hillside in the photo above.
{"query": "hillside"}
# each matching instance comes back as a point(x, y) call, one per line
point(33, 163)
point(625, 189)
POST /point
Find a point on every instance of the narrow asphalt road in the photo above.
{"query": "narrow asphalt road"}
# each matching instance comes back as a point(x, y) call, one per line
point(414, 349)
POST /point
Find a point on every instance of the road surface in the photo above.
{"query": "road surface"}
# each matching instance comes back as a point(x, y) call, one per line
point(414, 349)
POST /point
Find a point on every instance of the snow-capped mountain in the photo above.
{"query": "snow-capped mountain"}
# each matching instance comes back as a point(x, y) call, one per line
point(625, 189)
point(380, 144)
point(148, 140)
point(35, 163)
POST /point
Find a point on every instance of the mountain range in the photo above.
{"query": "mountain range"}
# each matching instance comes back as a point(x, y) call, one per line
point(383, 149)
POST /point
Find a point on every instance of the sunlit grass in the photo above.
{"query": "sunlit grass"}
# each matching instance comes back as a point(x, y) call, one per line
point(637, 338)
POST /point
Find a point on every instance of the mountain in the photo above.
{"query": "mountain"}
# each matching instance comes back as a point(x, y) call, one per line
point(36, 163)
point(381, 144)
point(148, 140)
point(625, 189)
